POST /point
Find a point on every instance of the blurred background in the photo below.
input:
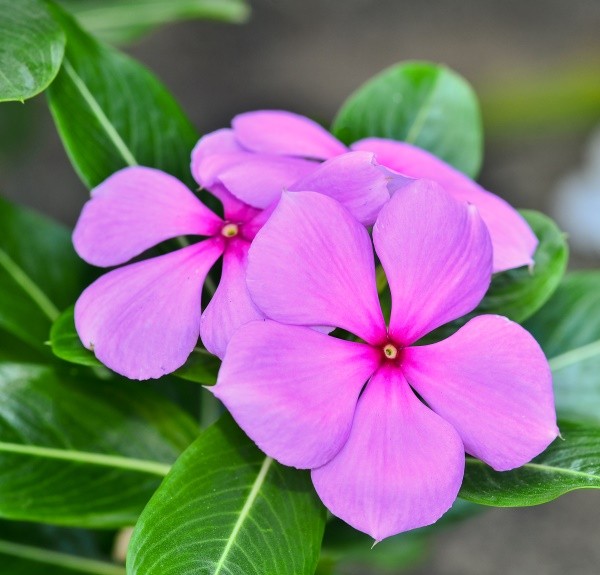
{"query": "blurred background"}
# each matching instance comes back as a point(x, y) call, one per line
point(535, 66)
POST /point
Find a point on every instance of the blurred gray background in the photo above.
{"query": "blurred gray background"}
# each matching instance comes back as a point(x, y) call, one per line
point(536, 66)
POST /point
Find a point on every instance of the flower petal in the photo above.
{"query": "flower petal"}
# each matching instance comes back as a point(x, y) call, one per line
point(234, 210)
point(312, 264)
point(437, 256)
point(401, 467)
point(293, 390)
point(284, 133)
point(230, 306)
point(143, 320)
point(491, 381)
point(135, 209)
point(513, 240)
point(353, 179)
point(258, 179)
point(212, 154)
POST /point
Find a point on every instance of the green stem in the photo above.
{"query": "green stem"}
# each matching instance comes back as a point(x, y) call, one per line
point(575, 356)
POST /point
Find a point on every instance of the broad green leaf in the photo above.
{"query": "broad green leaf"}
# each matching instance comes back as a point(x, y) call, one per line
point(571, 462)
point(82, 451)
point(31, 549)
point(225, 508)
point(518, 293)
point(422, 103)
point(111, 112)
point(32, 45)
point(40, 274)
point(568, 329)
point(201, 367)
point(126, 20)
point(345, 547)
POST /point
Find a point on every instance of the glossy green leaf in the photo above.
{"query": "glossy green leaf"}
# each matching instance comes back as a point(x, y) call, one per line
point(225, 508)
point(568, 329)
point(32, 45)
point(34, 549)
point(571, 462)
point(518, 293)
point(111, 112)
point(422, 103)
point(82, 451)
point(40, 274)
point(126, 20)
point(65, 342)
point(201, 367)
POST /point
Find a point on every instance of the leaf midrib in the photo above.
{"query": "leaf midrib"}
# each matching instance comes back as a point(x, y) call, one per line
point(575, 355)
point(58, 559)
point(256, 486)
point(547, 469)
point(17, 273)
point(88, 457)
point(98, 112)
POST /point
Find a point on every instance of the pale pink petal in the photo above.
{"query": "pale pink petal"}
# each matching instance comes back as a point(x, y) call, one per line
point(437, 256)
point(293, 390)
point(401, 467)
point(491, 381)
point(312, 264)
point(135, 209)
point(353, 179)
point(258, 179)
point(284, 133)
point(213, 153)
point(230, 306)
point(513, 240)
point(143, 320)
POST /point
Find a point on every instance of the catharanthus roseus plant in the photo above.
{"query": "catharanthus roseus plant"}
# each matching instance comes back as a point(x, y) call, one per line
point(381, 459)
point(353, 292)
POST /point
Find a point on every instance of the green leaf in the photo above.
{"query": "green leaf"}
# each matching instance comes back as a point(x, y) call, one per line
point(201, 367)
point(32, 45)
point(568, 329)
point(568, 464)
point(82, 451)
point(111, 112)
point(31, 549)
point(123, 21)
point(519, 293)
point(225, 508)
point(40, 274)
point(422, 103)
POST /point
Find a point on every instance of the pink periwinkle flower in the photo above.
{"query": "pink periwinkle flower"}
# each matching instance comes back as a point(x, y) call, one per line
point(382, 458)
point(250, 158)
point(143, 320)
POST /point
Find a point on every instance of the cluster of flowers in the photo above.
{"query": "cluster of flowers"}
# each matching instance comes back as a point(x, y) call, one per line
point(299, 262)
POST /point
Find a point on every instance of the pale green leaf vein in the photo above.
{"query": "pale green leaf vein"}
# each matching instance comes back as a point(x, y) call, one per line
point(100, 459)
point(256, 487)
point(28, 286)
point(48, 557)
point(98, 112)
point(548, 469)
point(574, 356)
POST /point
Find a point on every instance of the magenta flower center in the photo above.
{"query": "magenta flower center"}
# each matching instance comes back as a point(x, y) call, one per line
point(390, 351)
point(230, 230)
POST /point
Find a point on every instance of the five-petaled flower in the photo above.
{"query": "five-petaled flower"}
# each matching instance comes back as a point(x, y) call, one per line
point(383, 458)
point(143, 320)
point(267, 147)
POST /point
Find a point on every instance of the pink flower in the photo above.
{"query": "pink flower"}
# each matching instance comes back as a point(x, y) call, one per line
point(264, 143)
point(143, 320)
point(382, 459)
